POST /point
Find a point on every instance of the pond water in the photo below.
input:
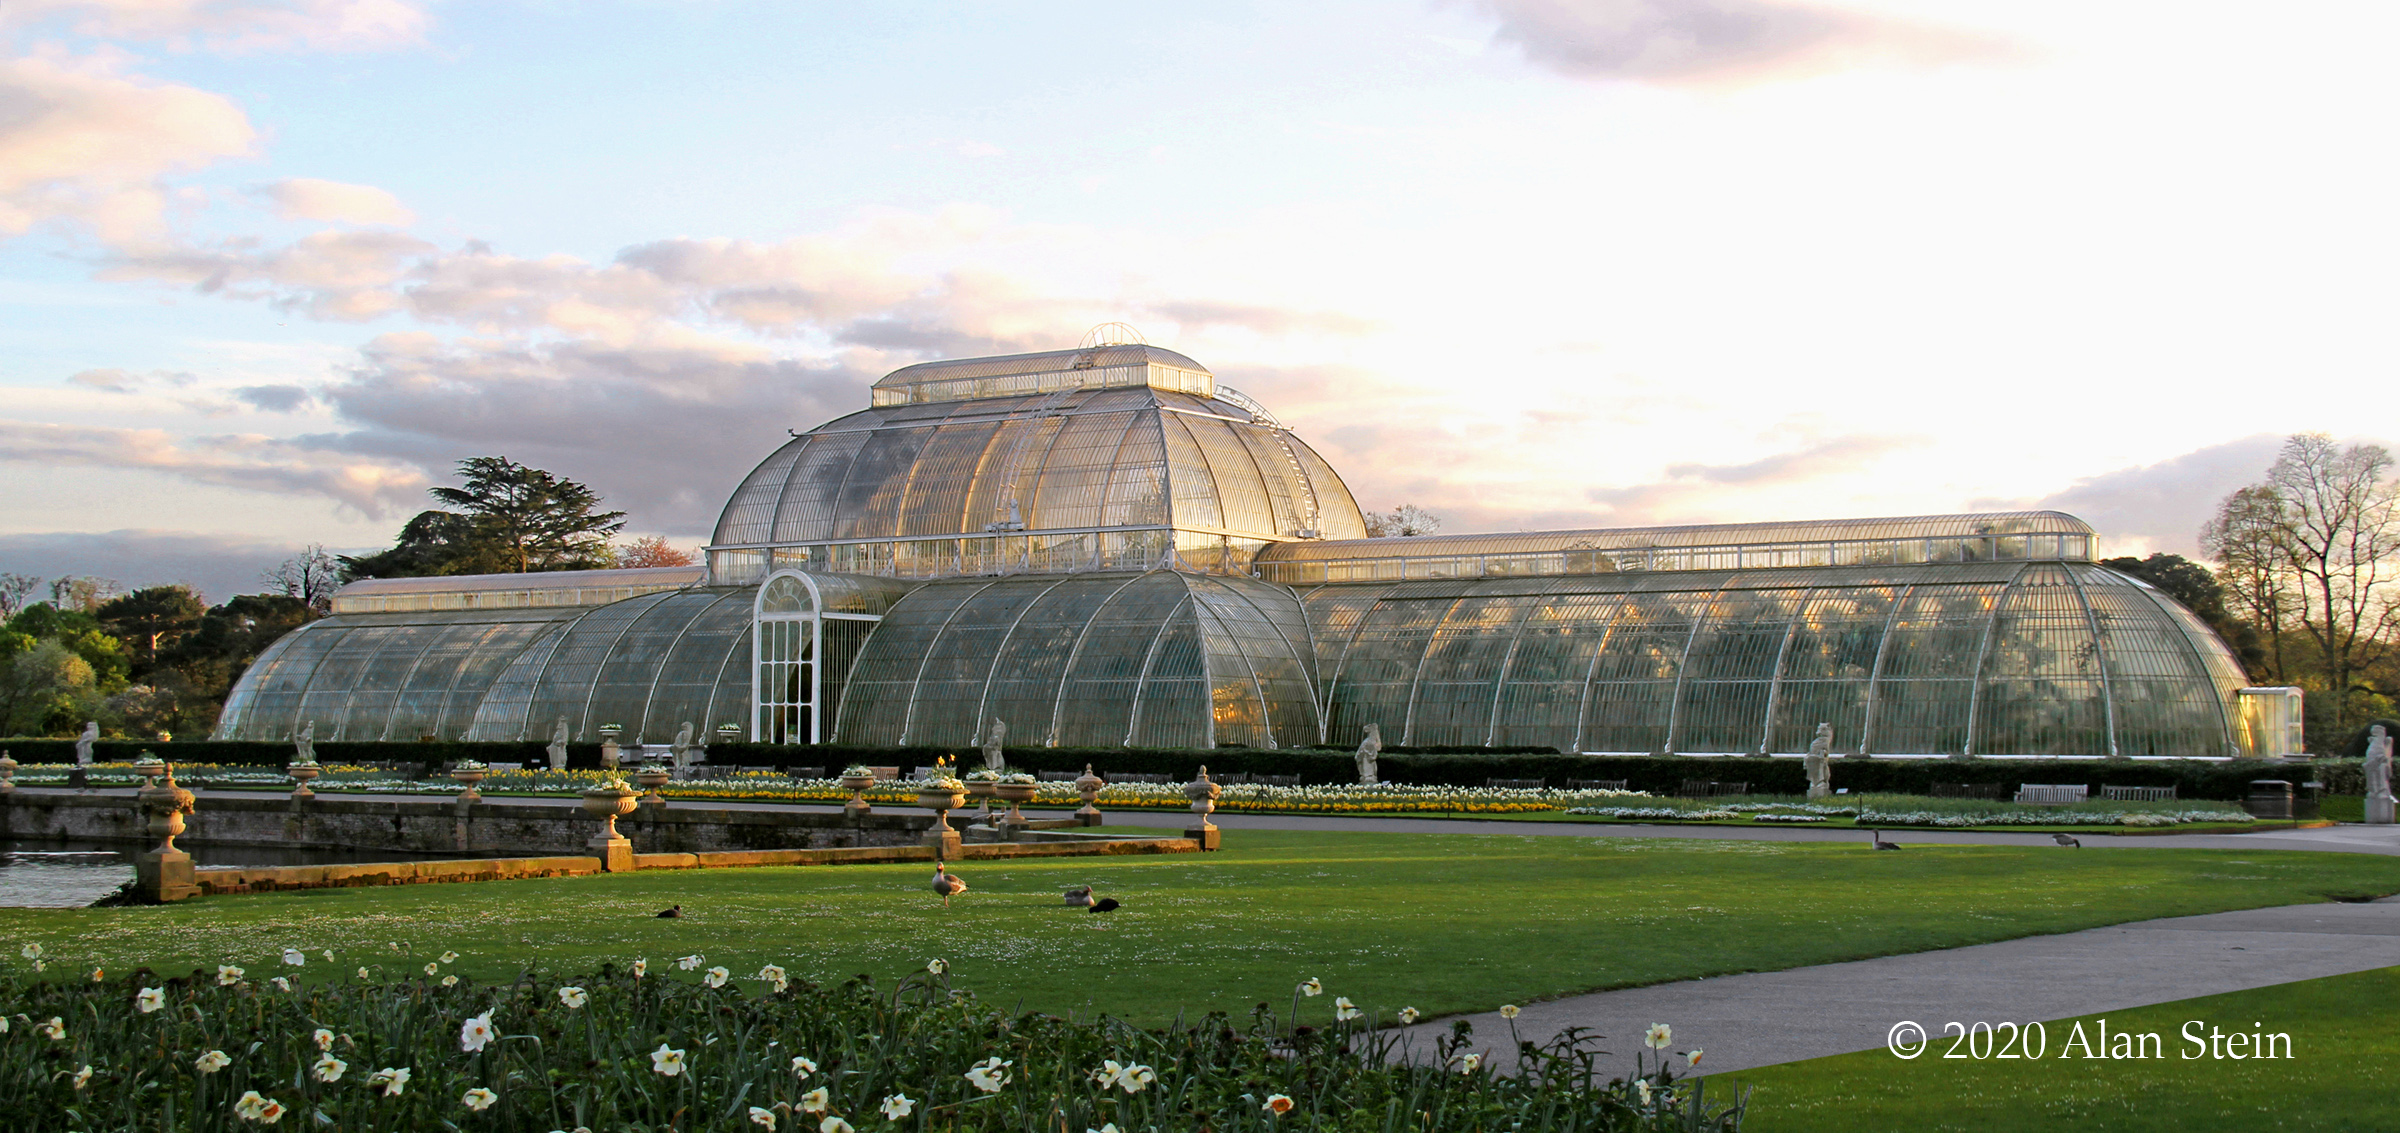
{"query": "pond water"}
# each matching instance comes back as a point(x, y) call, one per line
point(67, 875)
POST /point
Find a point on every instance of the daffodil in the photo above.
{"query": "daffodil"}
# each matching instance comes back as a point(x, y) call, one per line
point(228, 975)
point(775, 977)
point(572, 997)
point(323, 1038)
point(475, 1033)
point(764, 1118)
point(294, 957)
point(689, 963)
point(328, 1068)
point(150, 999)
point(1409, 1015)
point(55, 1027)
point(816, 1100)
point(1641, 1086)
point(1312, 988)
point(98, 975)
point(1278, 1104)
point(391, 1080)
point(449, 957)
point(211, 1062)
point(1692, 1057)
point(449, 981)
point(363, 973)
point(716, 977)
point(1508, 1010)
point(1658, 1036)
point(641, 968)
point(803, 1066)
point(1466, 1063)
point(989, 1075)
point(1344, 1009)
point(281, 984)
point(479, 1099)
point(82, 1076)
point(248, 1106)
point(834, 1125)
point(431, 968)
point(31, 951)
point(897, 1106)
point(666, 1060)
point(938, 967)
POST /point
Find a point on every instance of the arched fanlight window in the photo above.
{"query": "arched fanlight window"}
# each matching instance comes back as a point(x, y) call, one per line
point(784, 653)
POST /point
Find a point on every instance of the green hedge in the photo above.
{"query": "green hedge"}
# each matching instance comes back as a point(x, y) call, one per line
point(1464, 767)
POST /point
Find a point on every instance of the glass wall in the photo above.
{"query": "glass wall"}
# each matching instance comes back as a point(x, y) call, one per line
point(1155, 659)
point(2044, 658)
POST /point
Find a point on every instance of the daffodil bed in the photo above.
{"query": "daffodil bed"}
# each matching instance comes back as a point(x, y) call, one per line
point(624, 1047)
point(2342, 1038)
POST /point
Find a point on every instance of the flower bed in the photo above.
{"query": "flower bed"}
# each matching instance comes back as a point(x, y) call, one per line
point(302, 1043)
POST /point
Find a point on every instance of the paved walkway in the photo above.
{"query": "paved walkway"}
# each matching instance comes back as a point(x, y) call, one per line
point(1758, 1019)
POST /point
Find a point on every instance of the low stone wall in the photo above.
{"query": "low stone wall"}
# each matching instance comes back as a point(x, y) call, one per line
point(442, 826)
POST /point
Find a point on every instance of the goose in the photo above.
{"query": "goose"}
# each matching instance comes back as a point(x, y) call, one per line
point(1880, 844)
point(2064, 840)
point(1106, 905)
point(672, 911)
point(1080, 896)
point(947, 884)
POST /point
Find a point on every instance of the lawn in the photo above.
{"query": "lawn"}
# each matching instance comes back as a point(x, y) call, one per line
point(1445, 923)
point(2341, 1034)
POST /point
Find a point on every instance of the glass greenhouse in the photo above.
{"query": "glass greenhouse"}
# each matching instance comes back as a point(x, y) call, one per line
point(1104, 547)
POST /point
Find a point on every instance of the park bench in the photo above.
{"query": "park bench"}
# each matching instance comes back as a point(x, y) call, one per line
point(1517, 784)
point(1708, 789)
point(2052, 794)
point(2138, 794)
point(1136, 777)
point(1261, 780)
point(1058, 776)
point(794, 772)
point(1598, 785)
point(1966, 791)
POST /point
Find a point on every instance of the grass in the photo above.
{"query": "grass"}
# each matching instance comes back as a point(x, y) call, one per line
point(2342, 1037)
point(1445, 923)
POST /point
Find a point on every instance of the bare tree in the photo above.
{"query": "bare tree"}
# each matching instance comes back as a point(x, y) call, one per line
point(2316, 546)
point(1407, 519)
point(14, 590)
point(311, 576)
point(83, 592)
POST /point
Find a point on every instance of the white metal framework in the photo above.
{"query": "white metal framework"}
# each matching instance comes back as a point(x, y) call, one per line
point(787, 651)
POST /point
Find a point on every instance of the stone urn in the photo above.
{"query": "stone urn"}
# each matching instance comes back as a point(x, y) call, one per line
point(941, 796)
point(302, 773)
point(8, 774)
point(466, 775)
point(985, 790)
point(1203, 792)
point(652, 776)
point(149, 767)
point(857, 786)
point(609, 802)
point(1088, 785)
point(166, 804)
point(1017, 794)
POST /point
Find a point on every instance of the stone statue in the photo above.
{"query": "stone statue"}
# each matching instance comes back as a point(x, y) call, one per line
point(304, 745)
point(2379, 776)
point(83, 743)
point(682, 747)
point(1818, 761)
point(1368, 749)
point(558, 746)
point(992, 757)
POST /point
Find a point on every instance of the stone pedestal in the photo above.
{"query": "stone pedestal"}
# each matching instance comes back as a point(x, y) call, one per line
point(615, 854)
point(1205, 835)
point(943, 841)
point(165, 877)
point(2379, 811)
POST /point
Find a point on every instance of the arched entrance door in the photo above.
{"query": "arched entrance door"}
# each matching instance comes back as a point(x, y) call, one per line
point(785, 644)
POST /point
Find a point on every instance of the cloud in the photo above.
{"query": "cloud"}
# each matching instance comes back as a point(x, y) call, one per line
point(274, 399)
point(235, 26)
point(1698, 41)
point(1688, 486)
point(1272, 321)
point(2161, 506)
point(334, 276)
point(219, 566)
point(113, 381)
point(375, 487)
point(308, 198)
point(80, 141)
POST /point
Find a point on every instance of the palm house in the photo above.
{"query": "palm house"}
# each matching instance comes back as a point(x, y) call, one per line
point(1106, 547)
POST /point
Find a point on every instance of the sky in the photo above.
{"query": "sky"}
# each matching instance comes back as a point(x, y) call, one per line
point(270, 268)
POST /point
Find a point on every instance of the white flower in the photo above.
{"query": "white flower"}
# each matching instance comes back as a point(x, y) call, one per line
point(328, 955)
point(572, 997)
point(1508, 1010)
point(211, 1062)
point(716, 977)
point(98, 975)
point(775, 976)
point(641, 968)
point(1136, 1078)
point(323, 1039)
point(329, 1069)
point(816, 1100)
point(802, 1067)
point(1312, 988)
point(281, 984)
point(31, 951)
point(938, 967)
point(1278, 1104)
point(897, 1106)
point(150, 999)
point(449, 957)
point(666, 1060)
point(1343, 1008)
point(989, 1075)
point(1111, 1127)
point(1642, 1086)
point(762, 1117)
point(431, 968)
point(294, 957)
point(54, 1027)
point(83, 1076)
point(1658, 1036)
point(1692, 1057)
point(689, 963)
point(1466, 1063)
point(228, 975)
point(449, 981)
point(1409, 1015)
point(834, 1125)
point(362, 973)
point(479, 1099)
point(249, 1105)
point(391, 1080)
point(476, 1032)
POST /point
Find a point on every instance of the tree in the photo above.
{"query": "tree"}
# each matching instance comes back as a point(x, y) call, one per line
point(152, 619)
point(1405, 520)
point(544, 522)
point(2314, 548)
point(310, 576)
point(14, 590)
point(83, 592)
point(2254, 569)
point(652, 551)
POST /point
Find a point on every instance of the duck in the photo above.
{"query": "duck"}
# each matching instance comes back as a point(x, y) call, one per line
point(2065, 840)
point(1880, 844)
point(947, 884)
point(1080, 897)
